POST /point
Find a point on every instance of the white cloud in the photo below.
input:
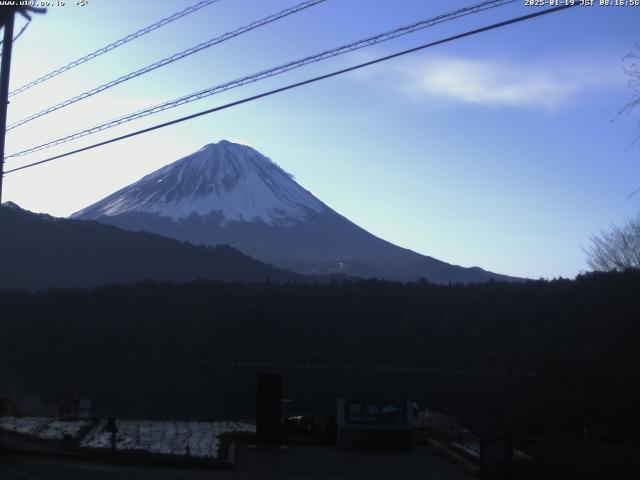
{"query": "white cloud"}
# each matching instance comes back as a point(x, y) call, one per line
point(496, 83)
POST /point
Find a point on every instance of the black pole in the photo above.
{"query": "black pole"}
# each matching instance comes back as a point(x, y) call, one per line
point(4, 88)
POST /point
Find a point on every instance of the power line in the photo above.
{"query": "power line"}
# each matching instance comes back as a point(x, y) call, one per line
point(375, 39)
point(299, 84)
point(25, 11)
point(116, 44)
point(168, 60)
point(24, 27)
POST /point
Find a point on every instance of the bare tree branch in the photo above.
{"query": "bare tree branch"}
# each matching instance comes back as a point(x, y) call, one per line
point(631, 66)
point(617, 249)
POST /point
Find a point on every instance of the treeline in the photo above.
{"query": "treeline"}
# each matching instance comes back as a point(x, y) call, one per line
point(521, 325)
point(580, 336)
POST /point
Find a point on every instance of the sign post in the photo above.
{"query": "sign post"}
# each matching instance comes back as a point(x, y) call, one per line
point(496, 457)
point(268, 409)
point(7, 43)
point(84, 409)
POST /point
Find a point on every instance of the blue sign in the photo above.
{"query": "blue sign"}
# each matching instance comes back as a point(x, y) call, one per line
point(365, 412)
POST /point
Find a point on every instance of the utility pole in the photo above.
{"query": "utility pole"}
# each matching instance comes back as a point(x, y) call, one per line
point(4, 88)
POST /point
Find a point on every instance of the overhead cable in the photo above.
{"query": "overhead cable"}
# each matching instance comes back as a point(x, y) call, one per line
point(296, 85)
point(375, 39)
point(116, 44)
point(166, 61)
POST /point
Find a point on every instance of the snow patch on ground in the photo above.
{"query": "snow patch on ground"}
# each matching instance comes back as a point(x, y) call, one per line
point(472, 449)
point(194, 439)
point(43, 427)
point(97, 437)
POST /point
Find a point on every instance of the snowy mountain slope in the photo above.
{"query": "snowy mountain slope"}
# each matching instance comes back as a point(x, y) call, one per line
point(230, 178)
point(227, 193)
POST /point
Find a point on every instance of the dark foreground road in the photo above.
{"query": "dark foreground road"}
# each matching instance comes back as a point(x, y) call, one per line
point(312, 463)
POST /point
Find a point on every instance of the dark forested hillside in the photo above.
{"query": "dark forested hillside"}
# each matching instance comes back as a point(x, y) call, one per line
point(574, 343)
point(40, 251)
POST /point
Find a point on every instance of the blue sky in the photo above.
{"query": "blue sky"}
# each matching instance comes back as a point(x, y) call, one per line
point(500, 150)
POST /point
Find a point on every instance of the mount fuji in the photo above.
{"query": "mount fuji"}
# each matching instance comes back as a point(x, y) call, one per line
point(226, 193)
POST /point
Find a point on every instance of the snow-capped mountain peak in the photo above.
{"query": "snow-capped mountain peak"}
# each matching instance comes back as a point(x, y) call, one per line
point(224, 177)
point(227, 193)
